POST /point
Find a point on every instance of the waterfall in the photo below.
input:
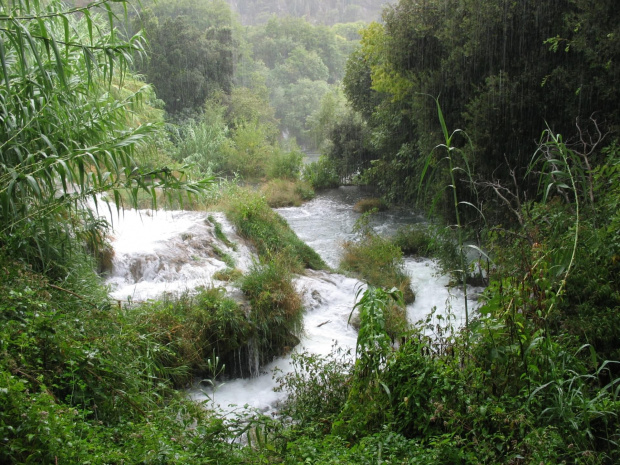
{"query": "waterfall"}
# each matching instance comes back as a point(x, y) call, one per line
point(167, 252)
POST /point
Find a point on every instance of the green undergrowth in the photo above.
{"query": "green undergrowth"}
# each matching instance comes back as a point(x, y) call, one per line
point(277, 311)
point(84, 381)
point(219, 233)
point(192, 327)
point(322, 174)
point(286, 193)
point(368, 204)
point(376, 260)
point(269, 232)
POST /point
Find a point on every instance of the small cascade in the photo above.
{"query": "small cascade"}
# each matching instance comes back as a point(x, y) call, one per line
point(167, 252)
point(162, 252)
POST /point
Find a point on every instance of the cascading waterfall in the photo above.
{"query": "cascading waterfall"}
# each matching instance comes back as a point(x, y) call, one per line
point(168, 252)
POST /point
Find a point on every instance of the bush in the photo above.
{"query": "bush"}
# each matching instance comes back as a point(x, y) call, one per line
point(317, 388)
point(192, 327)
point(379, 262)
point(277, 312)
point(285, 165)
point(322, 174)
point(370, 204)
point(413, 240)
point(281, 193)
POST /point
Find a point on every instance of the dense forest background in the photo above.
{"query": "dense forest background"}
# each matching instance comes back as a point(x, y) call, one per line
point(498, 118)
point(315, 11)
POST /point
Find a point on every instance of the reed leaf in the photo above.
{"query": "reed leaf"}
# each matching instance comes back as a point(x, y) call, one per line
point(65, 137)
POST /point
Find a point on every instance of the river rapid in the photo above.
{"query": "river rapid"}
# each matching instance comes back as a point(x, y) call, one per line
point(170, 252)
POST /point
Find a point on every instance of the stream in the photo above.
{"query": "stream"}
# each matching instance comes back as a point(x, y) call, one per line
point(170, 252)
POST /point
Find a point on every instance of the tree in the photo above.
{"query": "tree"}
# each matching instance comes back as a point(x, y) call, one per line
point(192, 48)
point(188, 65)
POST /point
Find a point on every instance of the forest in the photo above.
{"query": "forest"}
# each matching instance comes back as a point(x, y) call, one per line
point(498, 120)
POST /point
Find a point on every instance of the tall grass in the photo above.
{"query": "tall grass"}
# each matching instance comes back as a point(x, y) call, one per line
point(269, 232)
point(376, 260)
point(277, 311)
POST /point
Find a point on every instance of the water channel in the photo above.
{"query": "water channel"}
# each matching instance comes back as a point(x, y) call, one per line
point(167, 252)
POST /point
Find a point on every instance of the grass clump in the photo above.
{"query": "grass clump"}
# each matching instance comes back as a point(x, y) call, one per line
point(370, 204)
point(192, 327)
point(376, 260)
point(269, 232)
point(219, 233)
point(228, 275)
point(226, 258)
point(413, 240)
point(284, 193)
point(277, 312)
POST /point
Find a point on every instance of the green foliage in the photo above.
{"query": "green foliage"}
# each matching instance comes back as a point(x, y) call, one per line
point(321, 12)
point(192, 327)
point(80, 382)
point(191, 55)
point(228, 275)
point(249, 152)
point(378, 261)
point(280, 193)
point(300, 63)
point(528, 64)
point(276, 308)
point(317, 388)
point(416, 241)
point(285, 165)
point(269, 232)
point(373, 349)
point(348, 146)
point(322, 174)
point(202, 143)
point(368, 204)
point(67, 135)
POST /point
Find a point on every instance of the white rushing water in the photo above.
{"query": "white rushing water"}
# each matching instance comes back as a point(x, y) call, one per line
point(177, 251)
point(169, 251)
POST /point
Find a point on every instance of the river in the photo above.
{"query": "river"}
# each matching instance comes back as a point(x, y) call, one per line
point(165, 252)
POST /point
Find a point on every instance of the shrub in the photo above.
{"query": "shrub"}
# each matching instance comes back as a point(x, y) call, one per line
point(370, 204)
point(322, 174)
point(192, 327)
point(414, 240)
point(281, 193)
point(277, 312)
point(317, 388)
point(379, 262)
point(285, 165)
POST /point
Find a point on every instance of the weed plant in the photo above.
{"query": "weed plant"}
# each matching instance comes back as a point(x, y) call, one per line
point(277, 312)
point(228, 275)
point(317, 388)
point(219, 233)
point(192, 327)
